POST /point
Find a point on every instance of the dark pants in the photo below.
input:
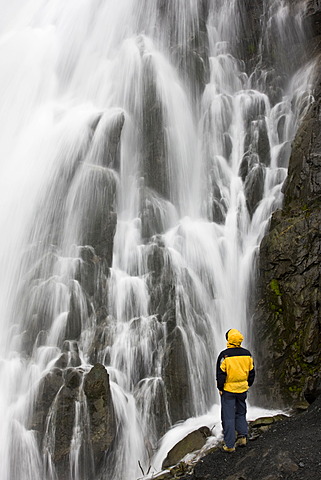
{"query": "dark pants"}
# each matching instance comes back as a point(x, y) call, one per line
point(233, 411)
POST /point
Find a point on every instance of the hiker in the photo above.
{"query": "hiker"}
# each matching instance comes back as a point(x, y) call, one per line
point(234, 375)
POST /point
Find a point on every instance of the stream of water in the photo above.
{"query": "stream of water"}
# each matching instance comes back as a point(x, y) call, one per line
point(143, 111)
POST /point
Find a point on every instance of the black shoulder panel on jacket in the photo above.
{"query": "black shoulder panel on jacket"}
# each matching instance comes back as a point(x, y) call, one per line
point(235, 352)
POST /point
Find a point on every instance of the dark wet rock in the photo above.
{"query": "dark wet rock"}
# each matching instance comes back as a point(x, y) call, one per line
point(156, 411)
point(101, 410)
point(64, 419)
point(63, 361)
point(166, 475)
point(180, 469)
point(92, 275)
point(284, 48)
point(280, 128)
point(159, 412)
point(304, 177)
point(248, 32)
point(153, 135)
point(176, 377)
point(263, 142)
point(287, 319)
point(250, 160)
point(87, 271)
point(244, 167)
point(61, 428)
point(101, 291)
point(254, 110)
point(284, 155)
point(217, 203)
point(55, 410)
point(193, 64)
point(218, 211)
point(161, 283)
point(69, 356)
point(193, 441)
point(60, 422)
point(47, 391)
point(267, 421)
point(257, 144)
point(152, 222)
point(74, 323)
point(289, 332)
point(144, 367)
point(110, 157)
point(105, 150)
point(192, 55)
point(312, 17)
point(254, 187)
point(257, 141)
point(227, 145)
point(97, 216)
point(73, 378)
point(170, 314)
point(102, 340)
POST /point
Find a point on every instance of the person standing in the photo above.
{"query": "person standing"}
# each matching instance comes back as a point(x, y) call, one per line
point(234, 375)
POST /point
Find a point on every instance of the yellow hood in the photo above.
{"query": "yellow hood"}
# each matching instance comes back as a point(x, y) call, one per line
point(234, 338)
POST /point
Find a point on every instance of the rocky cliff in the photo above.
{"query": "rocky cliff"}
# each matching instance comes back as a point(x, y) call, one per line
point(287, 321)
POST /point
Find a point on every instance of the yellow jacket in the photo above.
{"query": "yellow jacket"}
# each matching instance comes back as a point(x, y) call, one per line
point(235, 367)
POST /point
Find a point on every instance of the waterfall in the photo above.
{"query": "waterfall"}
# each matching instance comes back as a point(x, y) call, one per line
point(144, 145)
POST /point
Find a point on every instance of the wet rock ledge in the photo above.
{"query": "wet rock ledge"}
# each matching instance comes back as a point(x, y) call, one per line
point(279, 448)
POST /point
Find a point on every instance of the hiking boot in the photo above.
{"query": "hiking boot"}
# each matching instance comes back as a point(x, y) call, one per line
point(228, 450)
point(241, 442)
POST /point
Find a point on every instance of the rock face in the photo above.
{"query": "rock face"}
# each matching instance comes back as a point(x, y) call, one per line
point(62, 396)
point(191, 57)
point(287, 321)
point(101, 410)
point(176, 377)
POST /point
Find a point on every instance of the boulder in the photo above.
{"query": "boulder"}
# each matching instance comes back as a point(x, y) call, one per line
point(192, 442)
point(267, 421)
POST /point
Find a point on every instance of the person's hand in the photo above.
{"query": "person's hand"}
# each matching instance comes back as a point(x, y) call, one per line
point(220, 392)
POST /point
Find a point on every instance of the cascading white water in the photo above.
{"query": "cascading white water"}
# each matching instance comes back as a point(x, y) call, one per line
point(72, 72)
